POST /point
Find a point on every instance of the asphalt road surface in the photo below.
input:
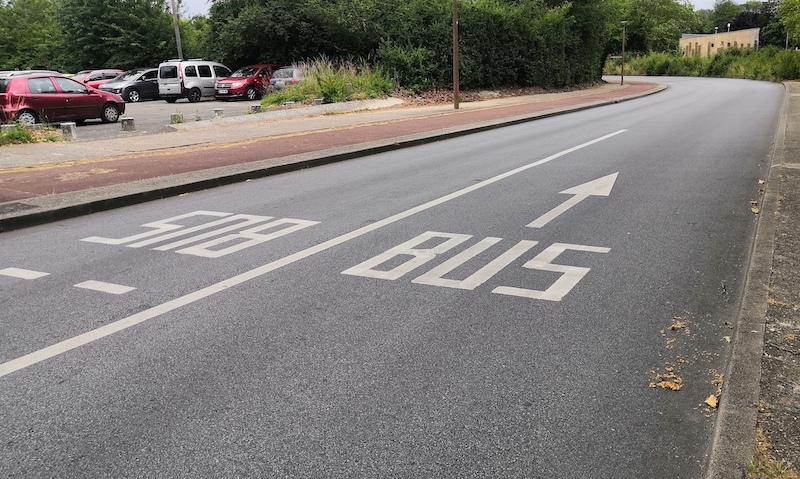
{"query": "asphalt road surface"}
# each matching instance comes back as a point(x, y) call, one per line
point(496, 305)
point(154, 115)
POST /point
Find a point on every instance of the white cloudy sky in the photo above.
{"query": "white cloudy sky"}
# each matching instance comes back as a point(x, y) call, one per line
point(200, 7)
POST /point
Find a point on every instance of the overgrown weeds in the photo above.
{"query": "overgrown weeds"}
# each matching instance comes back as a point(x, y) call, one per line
point(769, 64)
point(764, 466)
point(18, 134)
point(334, 81)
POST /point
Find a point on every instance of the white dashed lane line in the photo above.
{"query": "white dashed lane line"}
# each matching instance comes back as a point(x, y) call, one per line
point(110, 288)
point(22, 273)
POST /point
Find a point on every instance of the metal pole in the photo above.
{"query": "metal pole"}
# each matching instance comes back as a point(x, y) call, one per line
point(622, 76)
point(455, 55)
point(177, 30)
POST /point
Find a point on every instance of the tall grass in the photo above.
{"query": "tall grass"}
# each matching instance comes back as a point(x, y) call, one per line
point(16, 134)
point(334, 81)
point(769, 64)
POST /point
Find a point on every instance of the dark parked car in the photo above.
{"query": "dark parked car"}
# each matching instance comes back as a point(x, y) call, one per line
point(50, 98)
point(250, 82)
point(95, 78)
point(285, 77)
point(134, 85)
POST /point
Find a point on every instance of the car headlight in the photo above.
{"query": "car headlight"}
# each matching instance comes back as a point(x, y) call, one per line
point(237, 84)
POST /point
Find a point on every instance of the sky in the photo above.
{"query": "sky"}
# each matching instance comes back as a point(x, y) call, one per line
point(195, 7)
point(200, 7)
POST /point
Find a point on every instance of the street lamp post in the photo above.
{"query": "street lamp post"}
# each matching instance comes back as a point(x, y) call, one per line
point(729, 28)
point(622, 75)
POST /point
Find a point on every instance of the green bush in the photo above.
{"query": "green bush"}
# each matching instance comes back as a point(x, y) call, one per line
point(334, 81)
point(17, 134)
point(767, 64)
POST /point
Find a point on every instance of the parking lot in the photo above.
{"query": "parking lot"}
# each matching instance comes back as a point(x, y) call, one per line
point(153, 116)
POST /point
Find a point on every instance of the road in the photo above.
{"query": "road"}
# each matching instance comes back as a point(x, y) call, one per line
point(497, 305)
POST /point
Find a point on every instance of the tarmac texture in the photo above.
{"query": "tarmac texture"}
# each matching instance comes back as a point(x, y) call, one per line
point(47, 182)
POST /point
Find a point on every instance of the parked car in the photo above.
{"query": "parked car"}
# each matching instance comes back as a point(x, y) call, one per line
point(27, 72)
point(95, 78)
point(286, 76)
point(134, 85)
point(192, 79)
point(50, 98)
point(250, 82)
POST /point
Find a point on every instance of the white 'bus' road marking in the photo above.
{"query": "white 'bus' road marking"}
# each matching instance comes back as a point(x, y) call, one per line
point(110, 288)
point(22, 273)
point(111, 328)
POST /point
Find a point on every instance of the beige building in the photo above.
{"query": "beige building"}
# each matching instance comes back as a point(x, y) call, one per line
point(710, 44)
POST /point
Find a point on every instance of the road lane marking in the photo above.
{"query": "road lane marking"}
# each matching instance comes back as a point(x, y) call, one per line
point(22, 273)
point(599, 187)
point(122, 324)
point(102, 287)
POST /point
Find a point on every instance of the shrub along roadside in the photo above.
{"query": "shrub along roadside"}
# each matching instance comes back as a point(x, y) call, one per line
point(334, 82)
point(770, 64)
point(19, 134)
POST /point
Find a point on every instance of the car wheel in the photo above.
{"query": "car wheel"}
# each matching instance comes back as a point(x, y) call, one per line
point(251, 94)
point(133, 96)
point(194, 95)
point(27, 118)
point(110, 113)
point(171, 100)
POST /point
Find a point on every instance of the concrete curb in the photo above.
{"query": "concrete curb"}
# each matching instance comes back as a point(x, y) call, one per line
point(733, 437)
point(62, 206)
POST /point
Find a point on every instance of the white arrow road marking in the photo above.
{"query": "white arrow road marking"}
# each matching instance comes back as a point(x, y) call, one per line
point(110, 288)
point(142, 316)
point(22, 273)
point(599, 187)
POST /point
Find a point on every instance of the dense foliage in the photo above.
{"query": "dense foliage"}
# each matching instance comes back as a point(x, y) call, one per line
point(770, 64)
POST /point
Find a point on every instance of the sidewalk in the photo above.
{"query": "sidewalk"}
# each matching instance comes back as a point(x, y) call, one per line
point(46, 182)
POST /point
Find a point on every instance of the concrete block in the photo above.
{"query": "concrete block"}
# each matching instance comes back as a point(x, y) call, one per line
point(5, 128)
point(128, 124)
point(319, 101)
point(256, 109)
point(288, 104)
point(175, 118)
point(69, 130)
point(219, 113)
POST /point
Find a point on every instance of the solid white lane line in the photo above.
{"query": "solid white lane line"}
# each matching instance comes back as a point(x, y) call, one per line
point(22, 273)
point(110, 288)
point(111, 328)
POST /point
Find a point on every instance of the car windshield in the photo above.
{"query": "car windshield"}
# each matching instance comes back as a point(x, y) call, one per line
point(80, 76)
point(244, 72)
point(128, 75)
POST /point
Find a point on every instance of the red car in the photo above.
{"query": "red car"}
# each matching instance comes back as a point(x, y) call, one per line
point(95, 78)
point(250, 82)
point(50, 98)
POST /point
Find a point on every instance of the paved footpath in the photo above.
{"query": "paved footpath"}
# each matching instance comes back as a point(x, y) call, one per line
point(46, 182)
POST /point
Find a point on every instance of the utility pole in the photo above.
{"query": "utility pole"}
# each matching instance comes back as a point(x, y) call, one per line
point(177, 30)
point(622, 77)
point(455, 54)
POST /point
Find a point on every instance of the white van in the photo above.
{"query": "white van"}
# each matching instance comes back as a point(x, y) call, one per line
point(192, 79)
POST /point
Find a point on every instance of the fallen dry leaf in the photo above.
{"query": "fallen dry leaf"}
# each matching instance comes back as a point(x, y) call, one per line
point(755, 210)
point(712, 401)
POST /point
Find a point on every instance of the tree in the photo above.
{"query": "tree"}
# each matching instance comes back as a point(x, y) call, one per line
point(657, 25)
point(725, 12)
point(115, 33)
point(789, 15)
point(29, 34)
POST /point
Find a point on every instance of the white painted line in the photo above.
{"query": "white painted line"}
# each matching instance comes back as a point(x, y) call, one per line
point(110, 288)
point(22, 273)
point(111, 328)
point(599, 187)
